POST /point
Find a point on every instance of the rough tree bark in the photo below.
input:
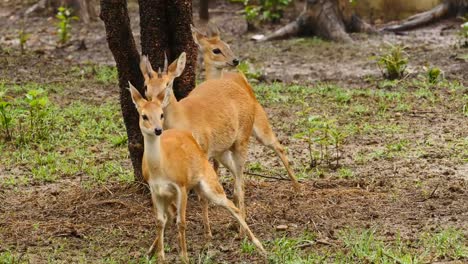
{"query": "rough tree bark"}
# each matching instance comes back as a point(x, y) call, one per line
point(165, 28)
point(114, 13)
point(180, 40)
point(203, 10)
point(329, 19)
point(448, 8)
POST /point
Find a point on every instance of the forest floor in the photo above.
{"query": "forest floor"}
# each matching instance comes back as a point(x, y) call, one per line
point(393, 191)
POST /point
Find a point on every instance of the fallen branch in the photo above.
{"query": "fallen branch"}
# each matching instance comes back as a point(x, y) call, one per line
point(421, 19)
point(431, 195)
point(309, 243)
point(111, 201)
point(267, 177)
point(392, 257)
point(279, 178)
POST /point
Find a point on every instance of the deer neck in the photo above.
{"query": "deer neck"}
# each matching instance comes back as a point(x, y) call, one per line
point(174, 114)
point(153, 150)
point(212, 72)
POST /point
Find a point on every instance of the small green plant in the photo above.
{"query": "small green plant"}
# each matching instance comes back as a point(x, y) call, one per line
point(64, 15)
point(247, 247)
point(255, 167)
point(433, 75)
point(265, 10)
point(393, 62)
point(23, 38)
point(345, 173)
point(321, 132)
point(37, 106)
point(249, 70)
point(397, 146)
point(5, 119)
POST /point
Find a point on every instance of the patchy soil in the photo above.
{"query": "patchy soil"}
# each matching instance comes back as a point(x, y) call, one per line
point(117, 219)
point(422, 190)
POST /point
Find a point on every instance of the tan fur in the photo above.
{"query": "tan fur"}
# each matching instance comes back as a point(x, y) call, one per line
point(214, 69)
point(220, 122)
point(173, 164)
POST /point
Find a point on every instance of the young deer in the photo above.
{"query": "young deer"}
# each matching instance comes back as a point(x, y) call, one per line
point(221, 122)
point(218, 56)
point(173, 164)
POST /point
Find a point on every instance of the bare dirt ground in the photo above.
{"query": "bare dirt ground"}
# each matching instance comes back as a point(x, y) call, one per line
point(422, 190)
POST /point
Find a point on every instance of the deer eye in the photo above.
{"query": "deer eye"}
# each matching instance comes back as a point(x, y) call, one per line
point(145, 117)
point(217, 51)
point(162, 116)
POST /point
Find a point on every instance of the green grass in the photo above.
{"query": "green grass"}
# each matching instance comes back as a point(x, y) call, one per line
point(287, 250)
point(368, 246)
point(77, 140)
point(365, 246)
point(247, 247)
point(363, 112)
point(9, 258)
point(345, 173)
point(101, 74)
point(446, 244)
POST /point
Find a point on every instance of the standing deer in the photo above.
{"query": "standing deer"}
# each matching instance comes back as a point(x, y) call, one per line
point(219, 113)
point(173, 164)
point(217, 57)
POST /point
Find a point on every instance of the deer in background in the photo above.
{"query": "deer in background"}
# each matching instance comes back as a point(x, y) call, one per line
point(217, 57)
point(219, 113)
point(173, 164)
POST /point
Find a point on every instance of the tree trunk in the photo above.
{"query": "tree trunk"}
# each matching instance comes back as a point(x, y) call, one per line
point(114, 13)
point(154, 30)
point(165, 28)
point(329, 19)
point(446, 9)
point(180, 40)
point(203, 10)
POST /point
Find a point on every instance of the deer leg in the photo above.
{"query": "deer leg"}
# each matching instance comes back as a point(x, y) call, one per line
point(181, 224)
point(238, 157)
point(159, 207)
point(265, 135)
point(206, 220)
point(214, 192)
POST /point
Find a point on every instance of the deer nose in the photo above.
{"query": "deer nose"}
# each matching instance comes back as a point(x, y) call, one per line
point(235, 62)
point(158, 131)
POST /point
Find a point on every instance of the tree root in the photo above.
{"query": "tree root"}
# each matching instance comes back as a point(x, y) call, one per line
point(421, 18)
point(290, 29)
point(329, 19)
point(445, 9)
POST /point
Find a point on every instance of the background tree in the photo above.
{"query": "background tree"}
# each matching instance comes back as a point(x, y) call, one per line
point(329, 19)
point(165, 27)
point(448, 8)
point(83, 8)
point(203, 12)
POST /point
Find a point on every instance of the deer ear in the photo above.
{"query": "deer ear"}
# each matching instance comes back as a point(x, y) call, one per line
point(177, 67)
point(167, 93)
point(145, 67)
point(197, 35)
point(213, 30)
point(137, 99)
